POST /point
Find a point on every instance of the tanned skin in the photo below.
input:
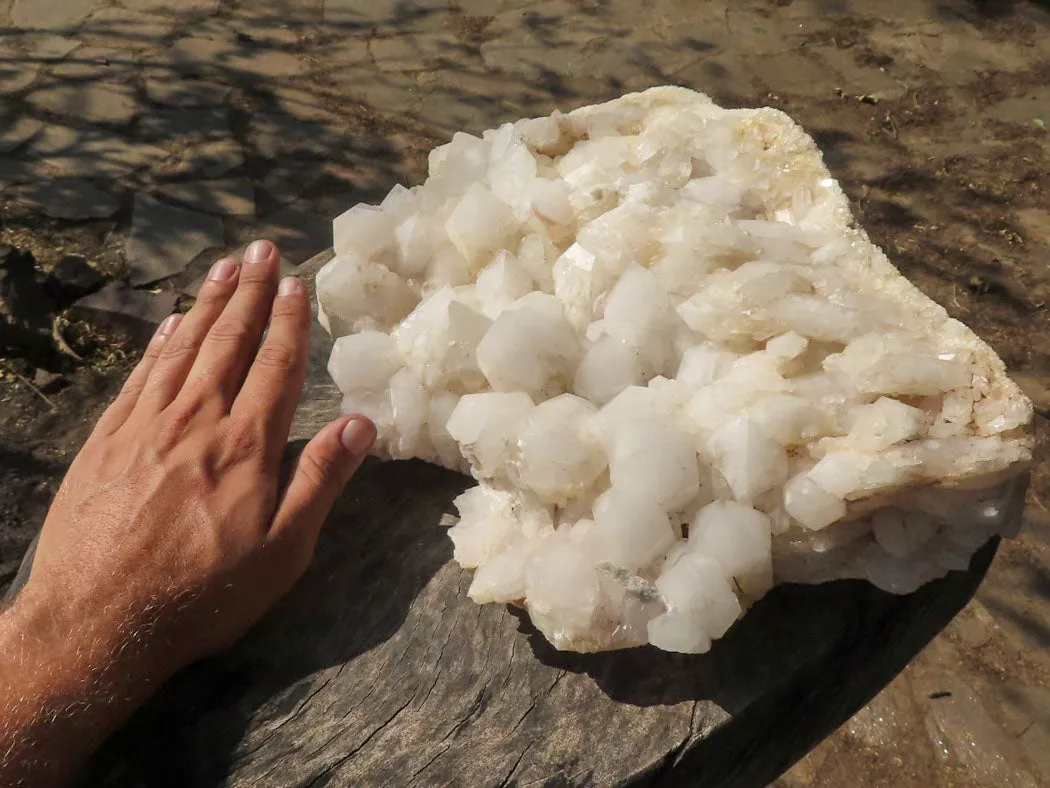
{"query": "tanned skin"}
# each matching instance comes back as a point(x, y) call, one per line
point(171, 534)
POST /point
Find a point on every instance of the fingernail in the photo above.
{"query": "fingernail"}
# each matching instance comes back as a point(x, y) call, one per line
point(358, 437)
point(288, 286)
point(169, 325)
point(258, 252)
point(222, 270)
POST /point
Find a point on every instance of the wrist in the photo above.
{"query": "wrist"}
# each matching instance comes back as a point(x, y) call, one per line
point(70, 674)
point(78, 643)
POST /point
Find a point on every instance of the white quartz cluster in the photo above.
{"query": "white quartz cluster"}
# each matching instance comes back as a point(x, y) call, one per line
point(679, 373)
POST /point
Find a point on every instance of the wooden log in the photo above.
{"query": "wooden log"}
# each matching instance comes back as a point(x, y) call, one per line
point(377, 670)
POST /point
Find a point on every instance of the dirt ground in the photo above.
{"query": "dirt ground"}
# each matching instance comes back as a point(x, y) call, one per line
point(935, 116)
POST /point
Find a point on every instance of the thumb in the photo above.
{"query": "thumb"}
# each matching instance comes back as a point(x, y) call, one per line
point(322, 470)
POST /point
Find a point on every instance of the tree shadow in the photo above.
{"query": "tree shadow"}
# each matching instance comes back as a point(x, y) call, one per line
point(299, 105)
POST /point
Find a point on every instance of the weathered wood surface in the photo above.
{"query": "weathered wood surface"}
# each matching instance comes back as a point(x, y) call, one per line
point(377, 670)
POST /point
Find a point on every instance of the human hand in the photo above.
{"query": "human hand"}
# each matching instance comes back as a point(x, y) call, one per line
point(170, 535)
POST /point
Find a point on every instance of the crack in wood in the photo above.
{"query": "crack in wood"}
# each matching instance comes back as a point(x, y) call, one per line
point(340, 761)
point(467, 717)
point(437, 663)
point(425, 766)
point(506, 780)
point(536, 699)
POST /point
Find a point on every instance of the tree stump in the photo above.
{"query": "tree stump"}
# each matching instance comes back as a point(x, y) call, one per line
point(378, 670)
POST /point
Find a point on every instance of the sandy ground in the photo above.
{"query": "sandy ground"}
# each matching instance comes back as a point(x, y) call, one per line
point(933, 115)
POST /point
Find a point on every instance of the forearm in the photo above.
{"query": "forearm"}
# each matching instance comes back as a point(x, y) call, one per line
point(68, 677)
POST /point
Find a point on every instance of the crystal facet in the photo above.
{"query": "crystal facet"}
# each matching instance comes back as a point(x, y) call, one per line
point(679, 372)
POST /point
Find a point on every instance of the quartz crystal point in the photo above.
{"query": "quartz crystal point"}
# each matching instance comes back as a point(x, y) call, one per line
point(678, 371)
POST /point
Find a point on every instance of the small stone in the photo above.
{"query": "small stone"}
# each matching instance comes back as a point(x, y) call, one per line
point(182, 91)
point(16, 130)
point(787, 73)
point(255, 61)
point(70, 198)
point(264, 28)
point(974, 625)
point(15, 171)
point(164, 239)
point(275, 12)
point(480, 7)
point(92, 153)
point(383, 92)
point(199, 124)
point(212, 159)
point(462, 101)
point(306, 105)
point(15, 75)
point(95, 64)
point(365, 14)
point(226, 197)
point(518, 43)
point(71, 278)
point(48, 382)
point(276, 135)
point(286, 181)
point(96, 102)
point(50, 14)
point(134, 30)
point(199, 55)
point(415, 52)
point(19, 68)
point(48, 46)
point(345, 52)
point(56, 138)
point(119, 309)
point(182, 8)
point(192, 72)
point(862, 80)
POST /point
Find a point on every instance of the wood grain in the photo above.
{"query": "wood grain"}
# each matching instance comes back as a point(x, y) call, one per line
point(377, 670)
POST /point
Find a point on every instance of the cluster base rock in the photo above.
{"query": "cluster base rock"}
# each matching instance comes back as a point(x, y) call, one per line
point(678, 371)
